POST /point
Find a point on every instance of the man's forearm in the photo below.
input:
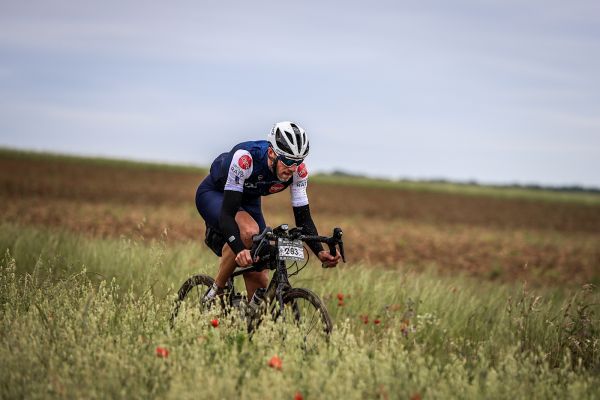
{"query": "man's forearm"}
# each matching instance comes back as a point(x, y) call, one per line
point(304, 219)
point(231, 231)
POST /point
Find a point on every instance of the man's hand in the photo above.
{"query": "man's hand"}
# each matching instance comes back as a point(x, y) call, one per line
point(327, 259)
point(243, 258)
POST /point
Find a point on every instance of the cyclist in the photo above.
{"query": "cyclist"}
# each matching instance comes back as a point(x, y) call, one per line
point(229, 200)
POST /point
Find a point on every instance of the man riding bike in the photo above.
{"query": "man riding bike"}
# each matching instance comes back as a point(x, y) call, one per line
point(229, 200)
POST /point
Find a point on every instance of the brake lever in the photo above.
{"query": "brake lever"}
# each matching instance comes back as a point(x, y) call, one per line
point(332, 251)
point(256, 247)
point(332, 248)
point(258, 241)
point(336, 238)
point(266, 232)
point(341, 244)
point(337, 235)
point(295, 233)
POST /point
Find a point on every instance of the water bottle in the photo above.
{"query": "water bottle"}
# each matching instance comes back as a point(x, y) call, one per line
point(257, 299)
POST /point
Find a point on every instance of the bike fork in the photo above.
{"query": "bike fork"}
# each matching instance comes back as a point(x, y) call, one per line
point(282, 284)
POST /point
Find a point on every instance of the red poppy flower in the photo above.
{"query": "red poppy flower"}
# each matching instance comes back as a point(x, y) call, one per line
point(215, 323)
point(298, 396)
point(340, 303)
point(377, 321)
point(275, 362)
point(162, 352)
point(340, 296)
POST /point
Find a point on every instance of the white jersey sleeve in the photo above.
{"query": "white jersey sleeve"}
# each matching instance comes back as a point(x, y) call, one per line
point(240, 169)
point(299, 184)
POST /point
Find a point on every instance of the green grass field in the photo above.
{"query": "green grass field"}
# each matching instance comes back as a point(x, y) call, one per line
point(85, 318)
point(451, 290)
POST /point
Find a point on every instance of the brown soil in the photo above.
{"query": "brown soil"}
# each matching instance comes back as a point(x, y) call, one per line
point(506, 239)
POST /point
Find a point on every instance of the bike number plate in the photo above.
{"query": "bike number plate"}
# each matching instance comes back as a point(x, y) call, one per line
point(290, 249)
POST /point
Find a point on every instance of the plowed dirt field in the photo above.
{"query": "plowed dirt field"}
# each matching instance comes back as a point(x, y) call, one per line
point(541, 242)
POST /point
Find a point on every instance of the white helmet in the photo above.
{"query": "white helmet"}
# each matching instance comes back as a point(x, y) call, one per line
point(289, 140)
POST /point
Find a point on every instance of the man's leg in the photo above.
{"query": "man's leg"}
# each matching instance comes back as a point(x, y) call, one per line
point(255, 280)
point(248, 228)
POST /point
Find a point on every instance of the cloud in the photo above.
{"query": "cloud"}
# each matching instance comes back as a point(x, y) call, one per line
point(439, 82)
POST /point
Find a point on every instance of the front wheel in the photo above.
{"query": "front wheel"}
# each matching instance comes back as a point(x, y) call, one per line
point(306, 310)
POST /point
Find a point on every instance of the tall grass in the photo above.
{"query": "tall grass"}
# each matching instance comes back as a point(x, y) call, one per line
point(85, 318)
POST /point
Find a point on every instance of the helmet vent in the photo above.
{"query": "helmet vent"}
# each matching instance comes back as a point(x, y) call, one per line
point(295, 128)
point(297, 133)
point(281, 143)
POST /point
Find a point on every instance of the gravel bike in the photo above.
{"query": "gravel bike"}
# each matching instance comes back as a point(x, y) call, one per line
point(273, 247)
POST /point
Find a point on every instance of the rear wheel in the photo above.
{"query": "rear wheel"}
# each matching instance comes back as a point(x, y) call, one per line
point(189, 296)
point(308, 313)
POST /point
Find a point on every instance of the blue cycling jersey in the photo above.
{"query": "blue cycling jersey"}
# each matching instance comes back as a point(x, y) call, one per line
point(245, 169)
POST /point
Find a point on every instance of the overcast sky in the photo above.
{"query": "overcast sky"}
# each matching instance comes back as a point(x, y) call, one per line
point(497, 91)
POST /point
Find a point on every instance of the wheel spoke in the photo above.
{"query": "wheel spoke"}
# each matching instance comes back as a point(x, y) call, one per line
point(307, 312)
point(312, 325)
point(312, 321)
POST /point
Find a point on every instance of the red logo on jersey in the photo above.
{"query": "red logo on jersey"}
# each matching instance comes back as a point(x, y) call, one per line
point(245, 161)
point(278, 187)
point(302, 171)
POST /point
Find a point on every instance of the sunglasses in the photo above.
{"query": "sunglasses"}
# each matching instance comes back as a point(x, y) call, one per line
point(288, 162)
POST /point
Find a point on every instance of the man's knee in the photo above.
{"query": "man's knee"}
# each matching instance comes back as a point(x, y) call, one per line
point(248, 228)
point(247, 233)
point(260, 278)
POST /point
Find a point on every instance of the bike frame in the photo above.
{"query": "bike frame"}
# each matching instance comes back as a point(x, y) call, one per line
point(266, 247)
point(279, 283)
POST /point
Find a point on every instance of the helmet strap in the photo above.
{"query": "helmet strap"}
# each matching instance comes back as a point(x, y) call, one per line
point(274, 166)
